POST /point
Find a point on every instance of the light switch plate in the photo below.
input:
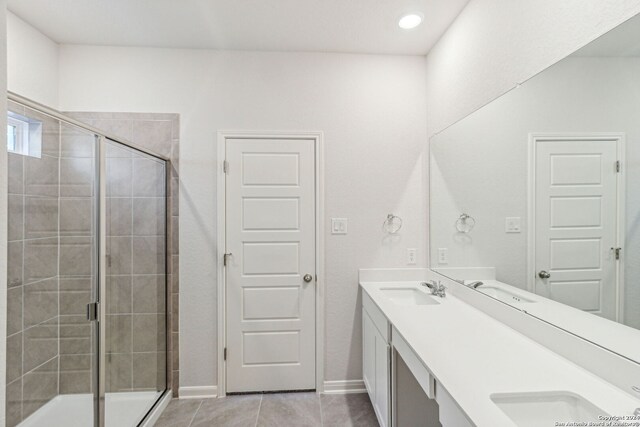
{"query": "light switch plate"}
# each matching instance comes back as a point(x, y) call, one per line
point(512, 224)
point(443, 256)
point(412, 254)
point(339, 225)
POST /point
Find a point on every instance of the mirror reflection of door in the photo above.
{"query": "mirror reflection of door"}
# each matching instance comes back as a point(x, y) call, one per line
point(577, 215)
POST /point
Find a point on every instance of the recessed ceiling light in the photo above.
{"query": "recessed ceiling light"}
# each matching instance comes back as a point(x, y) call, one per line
point(410, 21)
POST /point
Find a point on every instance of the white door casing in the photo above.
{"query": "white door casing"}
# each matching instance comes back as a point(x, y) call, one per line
point(577, 220)
point(270, 234)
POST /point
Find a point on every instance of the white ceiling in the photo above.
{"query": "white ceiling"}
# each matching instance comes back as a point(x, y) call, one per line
point(361, 26)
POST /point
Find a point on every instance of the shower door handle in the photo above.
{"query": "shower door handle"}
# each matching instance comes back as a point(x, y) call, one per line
point(92, 311)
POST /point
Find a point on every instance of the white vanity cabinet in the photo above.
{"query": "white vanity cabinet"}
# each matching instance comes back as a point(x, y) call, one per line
point(376, 359)
point(382, 346)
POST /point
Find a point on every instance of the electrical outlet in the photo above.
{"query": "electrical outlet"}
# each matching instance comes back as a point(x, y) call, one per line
point(411, 256)
point(443, 256)
point(339, 225)
point(512, 224)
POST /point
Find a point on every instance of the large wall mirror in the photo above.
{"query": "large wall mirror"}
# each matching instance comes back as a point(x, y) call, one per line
point(535, 198)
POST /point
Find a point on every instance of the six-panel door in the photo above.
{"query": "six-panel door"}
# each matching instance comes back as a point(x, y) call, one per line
point(270, 234)
point(576, 222)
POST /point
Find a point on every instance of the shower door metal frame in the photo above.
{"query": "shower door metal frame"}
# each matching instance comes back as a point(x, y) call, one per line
point(102, 137)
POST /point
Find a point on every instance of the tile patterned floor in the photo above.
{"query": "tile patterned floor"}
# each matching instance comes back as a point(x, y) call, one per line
point(271, 410)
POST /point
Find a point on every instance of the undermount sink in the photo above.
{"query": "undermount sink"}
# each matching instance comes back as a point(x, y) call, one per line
point(539, 409)
point(408, 296)
point(503, 294)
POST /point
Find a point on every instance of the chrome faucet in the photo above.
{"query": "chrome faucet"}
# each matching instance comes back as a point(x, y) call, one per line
point(475, 285)
point(437, 288)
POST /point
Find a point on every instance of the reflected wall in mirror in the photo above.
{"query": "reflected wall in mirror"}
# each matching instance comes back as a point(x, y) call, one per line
point(548, 176)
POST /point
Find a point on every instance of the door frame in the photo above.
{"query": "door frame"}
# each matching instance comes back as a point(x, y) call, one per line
point(619, 138)
point(318, 138)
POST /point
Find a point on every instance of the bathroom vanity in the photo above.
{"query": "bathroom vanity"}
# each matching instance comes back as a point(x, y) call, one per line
point(471, 367)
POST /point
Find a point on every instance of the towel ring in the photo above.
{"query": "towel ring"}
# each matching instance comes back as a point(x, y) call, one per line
point(392, 224)
point(465, 223)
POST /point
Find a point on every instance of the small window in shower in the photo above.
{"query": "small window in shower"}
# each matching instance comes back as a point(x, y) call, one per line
point(24, 135)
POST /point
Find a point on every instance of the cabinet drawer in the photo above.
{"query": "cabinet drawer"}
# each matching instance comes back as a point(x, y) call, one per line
point(419, 371)
point(376, 316)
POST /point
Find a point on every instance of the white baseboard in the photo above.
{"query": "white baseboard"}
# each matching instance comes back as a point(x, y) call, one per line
point(344, 387)
point(198, 392)
point(330, 387)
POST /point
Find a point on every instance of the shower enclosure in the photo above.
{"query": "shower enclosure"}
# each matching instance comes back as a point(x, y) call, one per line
point(87, 282)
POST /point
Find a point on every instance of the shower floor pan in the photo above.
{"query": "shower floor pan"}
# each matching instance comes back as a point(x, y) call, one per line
point(76, 410)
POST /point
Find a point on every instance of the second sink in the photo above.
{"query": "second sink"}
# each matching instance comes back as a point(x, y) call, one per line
point(538, 409)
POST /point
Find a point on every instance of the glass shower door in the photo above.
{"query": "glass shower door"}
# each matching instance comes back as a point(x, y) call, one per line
point(135, 340)
point(52, 271)
point(86, 298)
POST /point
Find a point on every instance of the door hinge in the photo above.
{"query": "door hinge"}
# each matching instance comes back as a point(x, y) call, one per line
point(224, 353)
point(225, 258)
point(92, 311)
point(616, 252)
point(618, 166)
point(225, 167)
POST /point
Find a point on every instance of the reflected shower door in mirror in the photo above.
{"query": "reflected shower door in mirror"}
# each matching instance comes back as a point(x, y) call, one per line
point(536, 195)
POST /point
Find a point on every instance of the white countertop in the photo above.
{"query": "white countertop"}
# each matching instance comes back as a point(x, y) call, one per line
point(473, 356)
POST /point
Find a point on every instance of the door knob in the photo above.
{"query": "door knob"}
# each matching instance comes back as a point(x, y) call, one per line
point(307, 278)
point(544, 274)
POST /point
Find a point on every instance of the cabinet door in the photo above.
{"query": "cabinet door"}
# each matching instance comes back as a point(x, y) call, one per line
point(383, 370)
point(368, 354)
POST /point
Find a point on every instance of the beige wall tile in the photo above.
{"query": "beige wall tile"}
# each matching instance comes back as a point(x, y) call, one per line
point(16, 217)
point(15, 167)
point(40, 301)
point(14, 403)
point(119, 252)
point(76, 217)
point(14, 263)
point(40, 386)
point(40, 259)
point(41, 176)
point(40, 344)
point(14, 310)
point(148, 255)
point(77, 175)
point(40, 217)
point(76, 256)
point(149, 293)
point(14, 357)
point(119, 216)
point(119, 294)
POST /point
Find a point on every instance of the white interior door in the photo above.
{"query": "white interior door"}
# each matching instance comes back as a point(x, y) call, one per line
point(270, 234)
point(576, 222)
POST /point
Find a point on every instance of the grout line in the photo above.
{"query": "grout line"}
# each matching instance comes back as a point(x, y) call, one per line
point(259, 409)
point(320, 404)
point(40, 366)
point(195, 413)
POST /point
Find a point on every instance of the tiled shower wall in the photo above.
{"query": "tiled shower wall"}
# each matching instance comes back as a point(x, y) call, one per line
point(50, 269)
point(159, 133)
point(136, 259)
